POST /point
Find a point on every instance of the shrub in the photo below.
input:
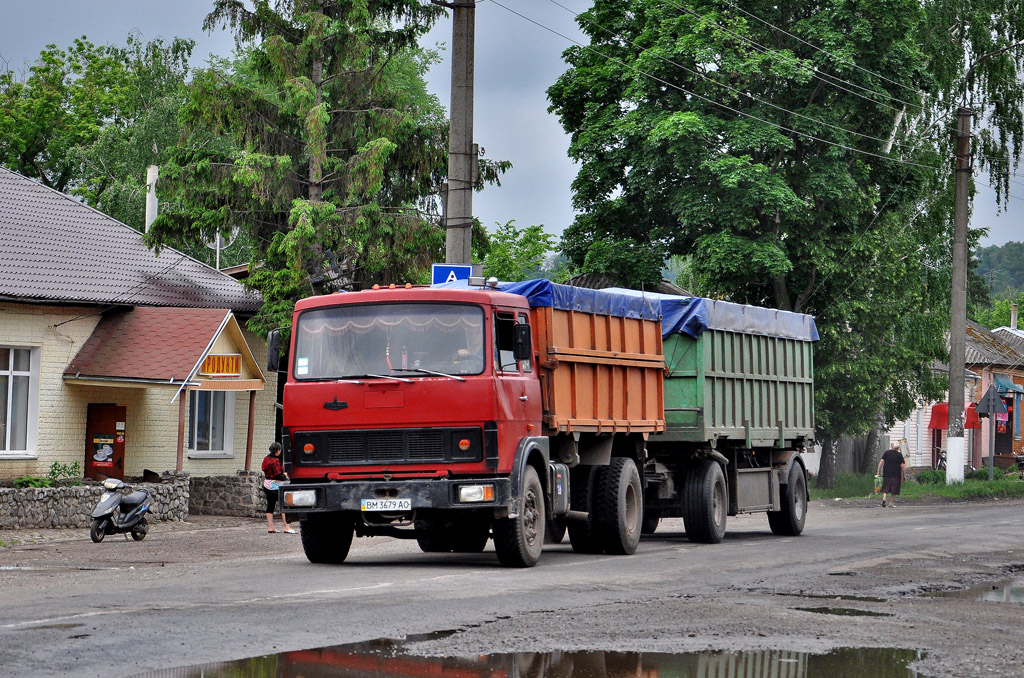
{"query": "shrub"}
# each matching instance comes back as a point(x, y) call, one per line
point(931, 477)
point(32, 481)
point(65, 474)
point(982, 474)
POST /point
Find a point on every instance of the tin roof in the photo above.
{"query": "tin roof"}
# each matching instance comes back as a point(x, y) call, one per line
point(987, 348)
point(147, 344)
point(56, 249)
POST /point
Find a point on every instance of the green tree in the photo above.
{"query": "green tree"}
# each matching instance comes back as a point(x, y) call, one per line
point(516, 254)
point(329, 151)
point(62, 104)
point(756, 141)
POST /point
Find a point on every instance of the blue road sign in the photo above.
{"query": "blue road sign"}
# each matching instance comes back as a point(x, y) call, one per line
point(442, 273)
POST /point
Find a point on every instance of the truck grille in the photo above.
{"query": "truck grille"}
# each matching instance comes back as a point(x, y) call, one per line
point(394, 446)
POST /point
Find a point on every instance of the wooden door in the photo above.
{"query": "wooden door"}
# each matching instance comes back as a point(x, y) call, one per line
point(104, 441)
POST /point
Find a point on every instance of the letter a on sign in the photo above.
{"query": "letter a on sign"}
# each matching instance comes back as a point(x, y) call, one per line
point(451, 277)
point(446, 273)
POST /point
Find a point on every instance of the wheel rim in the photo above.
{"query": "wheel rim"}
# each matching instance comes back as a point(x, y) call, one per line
point(718, 504)
point(530, 517)
point(632, 512)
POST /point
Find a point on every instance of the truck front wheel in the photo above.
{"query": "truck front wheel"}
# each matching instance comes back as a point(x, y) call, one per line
point(619, 506)
point(520, 540)
point(326, 537)
point(789, 521)
point(705, 502)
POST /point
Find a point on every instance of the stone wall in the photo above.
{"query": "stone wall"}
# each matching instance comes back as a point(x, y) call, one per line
point(237, 495)
point(71, 506)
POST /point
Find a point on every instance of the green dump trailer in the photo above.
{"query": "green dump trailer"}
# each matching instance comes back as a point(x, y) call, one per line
point(739, 408)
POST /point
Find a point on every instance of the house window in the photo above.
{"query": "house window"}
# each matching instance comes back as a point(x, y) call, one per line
point(19, 394)
point(211, 420)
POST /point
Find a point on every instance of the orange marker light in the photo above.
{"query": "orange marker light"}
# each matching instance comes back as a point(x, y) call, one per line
point(309, 448)
point(464, 444)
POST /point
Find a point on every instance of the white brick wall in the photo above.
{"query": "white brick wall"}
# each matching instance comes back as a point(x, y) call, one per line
point(152, 419)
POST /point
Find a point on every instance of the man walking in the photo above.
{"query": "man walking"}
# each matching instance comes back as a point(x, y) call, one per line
point(892, 467)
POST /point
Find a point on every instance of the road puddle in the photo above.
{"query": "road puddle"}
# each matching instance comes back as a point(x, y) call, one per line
point(1009, 591)
point(843, 611)
point(384, 658)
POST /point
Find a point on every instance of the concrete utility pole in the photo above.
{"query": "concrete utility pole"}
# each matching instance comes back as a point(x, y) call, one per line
point(461, 155)
point(958, 303)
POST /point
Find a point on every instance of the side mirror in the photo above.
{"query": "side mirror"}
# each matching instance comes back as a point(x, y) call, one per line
point(522, 347)
point(274, 350)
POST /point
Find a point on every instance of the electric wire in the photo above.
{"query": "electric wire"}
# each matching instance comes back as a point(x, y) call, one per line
point(711, 101)
point(728, 87)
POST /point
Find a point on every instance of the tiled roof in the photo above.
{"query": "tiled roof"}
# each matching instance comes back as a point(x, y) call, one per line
point(147, 343)
point(987, 348)
point(54, 248)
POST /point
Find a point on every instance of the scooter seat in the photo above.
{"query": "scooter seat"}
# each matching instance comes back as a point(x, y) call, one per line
point(135, 498)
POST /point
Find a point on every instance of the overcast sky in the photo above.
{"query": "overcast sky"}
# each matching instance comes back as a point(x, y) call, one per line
point(516, 61)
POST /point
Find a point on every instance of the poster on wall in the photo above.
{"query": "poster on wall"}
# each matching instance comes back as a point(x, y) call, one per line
point(103, 450)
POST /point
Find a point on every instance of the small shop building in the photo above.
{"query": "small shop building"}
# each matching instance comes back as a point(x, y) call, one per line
point(118, 358)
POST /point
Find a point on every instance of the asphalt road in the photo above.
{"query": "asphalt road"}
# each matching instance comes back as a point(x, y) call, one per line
point(219, 589)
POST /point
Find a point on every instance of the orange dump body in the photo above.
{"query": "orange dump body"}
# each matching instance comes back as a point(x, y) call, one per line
point(599, 373)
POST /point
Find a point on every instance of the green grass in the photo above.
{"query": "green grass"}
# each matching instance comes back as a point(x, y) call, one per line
point(860, 486)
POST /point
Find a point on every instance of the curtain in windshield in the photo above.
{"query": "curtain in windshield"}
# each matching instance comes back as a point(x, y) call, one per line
point(384, 339)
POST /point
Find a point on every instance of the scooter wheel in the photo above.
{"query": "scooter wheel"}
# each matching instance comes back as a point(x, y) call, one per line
point(96, 531)
point(140, 530)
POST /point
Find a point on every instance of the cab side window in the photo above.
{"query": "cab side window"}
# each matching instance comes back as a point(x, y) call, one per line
point(525, 365)
point(504, 360)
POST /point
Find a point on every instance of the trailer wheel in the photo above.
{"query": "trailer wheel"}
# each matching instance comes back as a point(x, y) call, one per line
point(705, 502)
point(520, 540)
point(789, 521)
point(582, 534)
point(619, 506)
point(326, 538)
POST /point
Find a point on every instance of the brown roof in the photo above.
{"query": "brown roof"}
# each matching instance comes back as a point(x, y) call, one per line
point(148, 344)
point(56, 249)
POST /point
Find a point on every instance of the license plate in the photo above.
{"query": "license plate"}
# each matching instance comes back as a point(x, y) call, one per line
point(385, 505)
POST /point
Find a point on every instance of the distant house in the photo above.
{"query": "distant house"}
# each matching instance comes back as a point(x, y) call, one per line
point(118, 358)
point(992, 358)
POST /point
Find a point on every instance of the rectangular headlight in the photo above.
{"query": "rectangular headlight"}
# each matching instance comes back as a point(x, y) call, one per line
point(469, 494)
point(300, 498)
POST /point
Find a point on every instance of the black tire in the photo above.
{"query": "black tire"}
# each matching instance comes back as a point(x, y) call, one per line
point(705, 502)
point(789, 520)
point(433, 540)
point(97, 530)
point(140, 530)
point(326, 538)
point(520, 540)
point(582, 534)
point(470, 534)
point(554, 532)
point(652, 517)
point(619, 507)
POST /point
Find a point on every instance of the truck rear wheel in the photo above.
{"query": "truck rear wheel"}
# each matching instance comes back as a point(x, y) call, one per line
point(520, 540)
point(705, 502)
point(789, 521)
point(582, 534)
point(619, 506)
point(326, 537)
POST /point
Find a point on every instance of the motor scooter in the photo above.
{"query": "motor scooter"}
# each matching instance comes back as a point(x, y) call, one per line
point(118, 512)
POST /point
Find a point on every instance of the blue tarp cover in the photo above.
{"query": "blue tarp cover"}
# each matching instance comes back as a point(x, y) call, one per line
point(693, 315)
point(567, 298)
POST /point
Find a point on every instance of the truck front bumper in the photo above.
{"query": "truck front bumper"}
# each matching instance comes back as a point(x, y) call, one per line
point(390, 497)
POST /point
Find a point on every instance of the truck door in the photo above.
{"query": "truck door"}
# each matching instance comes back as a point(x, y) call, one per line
point(518, 388)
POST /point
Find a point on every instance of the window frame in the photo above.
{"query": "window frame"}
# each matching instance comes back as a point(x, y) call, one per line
point(228, 450)
point(32, 409)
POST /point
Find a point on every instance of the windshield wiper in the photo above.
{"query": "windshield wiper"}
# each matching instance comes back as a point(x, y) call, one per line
point(388, 376)
point(432, 372)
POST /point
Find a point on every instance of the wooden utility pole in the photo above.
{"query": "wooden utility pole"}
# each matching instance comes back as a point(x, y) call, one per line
point(958, 302)
point(461, 155)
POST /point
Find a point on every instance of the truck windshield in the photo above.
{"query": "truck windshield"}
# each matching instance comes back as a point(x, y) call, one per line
point(385, 339)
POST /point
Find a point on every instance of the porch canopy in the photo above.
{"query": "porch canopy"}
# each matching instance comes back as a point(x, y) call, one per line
point(170, 348)
point(940, 416)
point(1004, 383)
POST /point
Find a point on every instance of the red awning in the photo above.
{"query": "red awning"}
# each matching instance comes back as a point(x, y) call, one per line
point(940, 416)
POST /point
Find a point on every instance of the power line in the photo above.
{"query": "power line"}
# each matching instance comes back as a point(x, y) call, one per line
point(822, 50)
point(813, 69)
point(712, 101)
point(725, 86)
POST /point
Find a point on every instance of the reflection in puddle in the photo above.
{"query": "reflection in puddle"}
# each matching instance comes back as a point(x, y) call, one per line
point(380, 659)
point(1010, 591)
point(844, 611)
